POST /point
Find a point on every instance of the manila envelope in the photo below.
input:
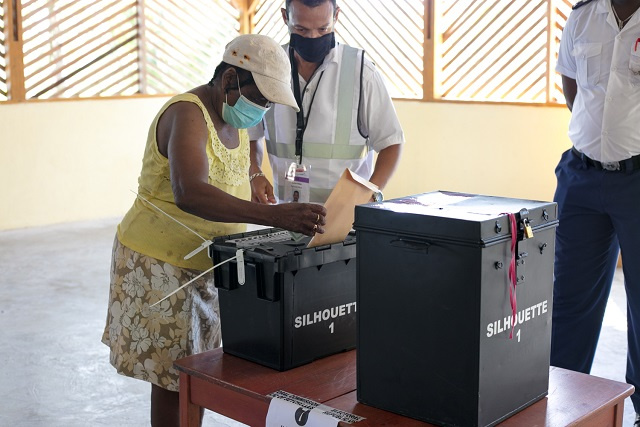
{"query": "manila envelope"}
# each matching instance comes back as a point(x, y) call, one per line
point(351, 190)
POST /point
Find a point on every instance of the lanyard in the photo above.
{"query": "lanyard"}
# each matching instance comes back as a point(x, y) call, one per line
point(301, 123)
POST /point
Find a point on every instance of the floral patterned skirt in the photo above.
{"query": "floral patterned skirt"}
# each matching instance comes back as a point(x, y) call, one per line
point(144, 340)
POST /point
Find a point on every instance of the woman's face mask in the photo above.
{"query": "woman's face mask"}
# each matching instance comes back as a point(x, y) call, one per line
point(313, 49)
point(244, 114)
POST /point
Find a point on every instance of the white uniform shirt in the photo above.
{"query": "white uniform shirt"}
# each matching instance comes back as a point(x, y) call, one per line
point(378, 116)
point(605, 121)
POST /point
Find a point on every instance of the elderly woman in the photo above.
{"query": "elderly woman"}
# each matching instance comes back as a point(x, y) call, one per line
point(194, 185)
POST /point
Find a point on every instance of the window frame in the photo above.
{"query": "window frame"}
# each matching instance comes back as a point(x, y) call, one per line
point(16, 92)
point(431, 43)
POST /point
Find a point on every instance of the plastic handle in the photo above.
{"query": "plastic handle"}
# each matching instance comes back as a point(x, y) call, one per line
point(414, 245)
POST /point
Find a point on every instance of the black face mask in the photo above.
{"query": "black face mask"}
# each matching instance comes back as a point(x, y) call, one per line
point(313, 50)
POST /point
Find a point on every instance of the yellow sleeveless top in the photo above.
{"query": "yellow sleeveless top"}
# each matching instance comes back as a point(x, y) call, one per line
point(148, 231)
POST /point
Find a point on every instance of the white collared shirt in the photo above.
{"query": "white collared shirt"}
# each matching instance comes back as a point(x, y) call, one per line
point(605, 62)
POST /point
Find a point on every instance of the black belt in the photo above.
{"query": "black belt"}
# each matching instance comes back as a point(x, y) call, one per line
point(629, 165)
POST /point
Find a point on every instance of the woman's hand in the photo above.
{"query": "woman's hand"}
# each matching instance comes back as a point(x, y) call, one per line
point(306, 218)
point(262, 191)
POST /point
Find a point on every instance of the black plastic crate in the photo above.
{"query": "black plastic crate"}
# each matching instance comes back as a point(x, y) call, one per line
point(434, 307)
point(297, 304)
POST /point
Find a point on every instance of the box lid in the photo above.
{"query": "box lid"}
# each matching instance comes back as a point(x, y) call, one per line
point(277, 246)
point(462, 217)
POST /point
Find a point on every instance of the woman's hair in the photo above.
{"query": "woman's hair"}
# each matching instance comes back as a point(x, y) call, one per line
point(244, 76)
point(310, 3)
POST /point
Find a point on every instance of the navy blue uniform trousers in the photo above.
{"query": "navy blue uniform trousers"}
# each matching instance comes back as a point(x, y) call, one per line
point(599, 212)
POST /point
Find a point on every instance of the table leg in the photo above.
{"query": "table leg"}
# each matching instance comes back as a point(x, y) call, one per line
point(618, 413)
point(189, 412)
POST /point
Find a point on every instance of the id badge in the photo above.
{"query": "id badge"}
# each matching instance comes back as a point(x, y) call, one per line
point(296, 184)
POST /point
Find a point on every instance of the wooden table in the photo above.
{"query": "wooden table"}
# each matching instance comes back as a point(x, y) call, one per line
point(237, 388)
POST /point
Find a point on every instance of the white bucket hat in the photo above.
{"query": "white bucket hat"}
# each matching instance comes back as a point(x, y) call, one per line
point(268, 63)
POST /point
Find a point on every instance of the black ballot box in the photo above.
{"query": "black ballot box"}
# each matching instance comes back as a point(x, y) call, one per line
point(435, 299)
point(296, 305)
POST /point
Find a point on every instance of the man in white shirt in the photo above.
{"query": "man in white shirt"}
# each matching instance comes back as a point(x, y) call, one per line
point(346, 113)
point(598, 190)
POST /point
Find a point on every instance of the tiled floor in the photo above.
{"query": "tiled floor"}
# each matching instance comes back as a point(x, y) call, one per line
point(54, 372)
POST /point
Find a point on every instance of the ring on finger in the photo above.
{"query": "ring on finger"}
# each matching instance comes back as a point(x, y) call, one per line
point(318, 219)
point(315, 228)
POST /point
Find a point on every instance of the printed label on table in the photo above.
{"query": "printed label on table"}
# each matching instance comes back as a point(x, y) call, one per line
point(289, 410)
point(283, 413)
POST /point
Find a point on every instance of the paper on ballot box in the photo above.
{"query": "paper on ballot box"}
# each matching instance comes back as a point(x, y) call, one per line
point(351, 190)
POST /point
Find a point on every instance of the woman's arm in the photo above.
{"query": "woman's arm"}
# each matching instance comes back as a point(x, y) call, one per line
point(182, 137)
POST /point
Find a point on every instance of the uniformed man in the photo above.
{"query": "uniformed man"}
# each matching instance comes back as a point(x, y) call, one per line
point(598, 190)
point(346, 114)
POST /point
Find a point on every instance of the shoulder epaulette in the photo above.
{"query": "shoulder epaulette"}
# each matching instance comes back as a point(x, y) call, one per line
point(580, 4)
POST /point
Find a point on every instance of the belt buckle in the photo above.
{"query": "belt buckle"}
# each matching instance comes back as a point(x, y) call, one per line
point(611, 166)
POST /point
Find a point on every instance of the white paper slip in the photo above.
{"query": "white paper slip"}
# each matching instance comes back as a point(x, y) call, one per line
point(300, 409)
point(283, 413)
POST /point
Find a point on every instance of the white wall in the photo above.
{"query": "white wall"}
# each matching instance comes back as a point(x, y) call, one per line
point(500, 150)
point(70, 160)
point(77, 160)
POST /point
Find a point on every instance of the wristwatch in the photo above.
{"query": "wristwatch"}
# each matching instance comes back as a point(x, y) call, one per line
point(377, 196)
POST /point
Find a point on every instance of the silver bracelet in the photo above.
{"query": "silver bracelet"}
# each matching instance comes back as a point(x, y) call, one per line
point(255, 175)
